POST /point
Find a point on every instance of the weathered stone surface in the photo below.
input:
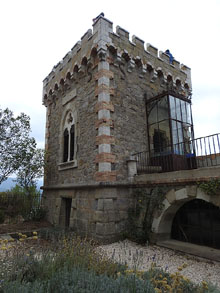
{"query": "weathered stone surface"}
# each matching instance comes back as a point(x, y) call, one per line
point(108, 204)
point(105, 228)
point(106, 176)
point(123, 215)
point(105, 139)
point(181, 194)
point(100, 206)
point(191, 190)
point(105, 81)
point(105, 157)
point(171, 196)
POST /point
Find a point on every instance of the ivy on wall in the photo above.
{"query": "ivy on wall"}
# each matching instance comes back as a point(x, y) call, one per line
point(146, 203)
point(211, 187)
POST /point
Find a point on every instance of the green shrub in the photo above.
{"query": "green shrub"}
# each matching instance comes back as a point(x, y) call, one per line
point(37, 213)
point(82, 280)
point(211, 187)
point(17, 202)
point(74, 265)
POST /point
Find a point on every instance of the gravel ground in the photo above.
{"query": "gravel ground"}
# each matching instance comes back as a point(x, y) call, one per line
point(141, 257)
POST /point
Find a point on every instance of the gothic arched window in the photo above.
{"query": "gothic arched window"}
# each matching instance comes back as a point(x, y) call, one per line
point(72, 142)
point(69, 141)
point(65, 145)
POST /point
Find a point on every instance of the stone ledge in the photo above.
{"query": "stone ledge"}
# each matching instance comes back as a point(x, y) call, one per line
point(67, 165)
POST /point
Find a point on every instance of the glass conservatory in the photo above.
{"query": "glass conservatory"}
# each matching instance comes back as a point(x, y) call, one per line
point(170, 132)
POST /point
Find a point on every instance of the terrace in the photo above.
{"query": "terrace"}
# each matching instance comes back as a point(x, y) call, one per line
point(192, 154)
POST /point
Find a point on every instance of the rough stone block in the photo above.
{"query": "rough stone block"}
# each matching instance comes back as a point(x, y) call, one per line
point(104, 72)
point(74, 203)
point(138, 42)
point(106, 193)
point(100, 206)
point(152, 50)
point(108, 204)
point(58, 202)
point(122, 204)
point(105, 157)
point(100, 228)
point(99, 216)
point(82, 224)
point(181, 194)
point(113, 216)
point(106, 176)
point(104, 105)
point(191, 190)
point(122, 32)
point(170, 196)
point(105, 139)
point(110, 228)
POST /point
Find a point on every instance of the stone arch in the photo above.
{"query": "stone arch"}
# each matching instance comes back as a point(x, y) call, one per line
point(162, 222)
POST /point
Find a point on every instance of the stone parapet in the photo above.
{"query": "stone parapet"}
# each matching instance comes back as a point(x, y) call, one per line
point(80, 59)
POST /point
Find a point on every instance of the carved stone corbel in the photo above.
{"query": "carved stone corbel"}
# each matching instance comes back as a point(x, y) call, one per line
point(102, 54)
point(131, 65)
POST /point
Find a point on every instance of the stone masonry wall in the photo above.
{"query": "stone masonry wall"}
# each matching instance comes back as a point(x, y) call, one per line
point(83, 103)
point(105, 79)
point(101, 213)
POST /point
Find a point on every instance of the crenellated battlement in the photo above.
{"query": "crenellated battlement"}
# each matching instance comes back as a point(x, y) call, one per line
point(95, 44)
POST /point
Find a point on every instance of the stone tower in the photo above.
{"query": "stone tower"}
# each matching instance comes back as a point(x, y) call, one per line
point(96, 119)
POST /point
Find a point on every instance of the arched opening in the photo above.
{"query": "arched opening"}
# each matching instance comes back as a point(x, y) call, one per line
point(198, 222)
point(66, 145)
point(72, 141)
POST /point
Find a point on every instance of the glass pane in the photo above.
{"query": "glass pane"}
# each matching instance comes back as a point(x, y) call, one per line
point(163, 109)
point(164, 129)
point(187, 132)
point(152, 129)
point(65, 145)
point(180, 132)
point(178, 110)
point(174, 132)
point(152, 112)
point(183, 109)
point(187, 136)
point(72, 142)
point(172, 107)
point(188, 108)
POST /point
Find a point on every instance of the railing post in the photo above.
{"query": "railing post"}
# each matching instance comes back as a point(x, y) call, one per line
point(132, 167)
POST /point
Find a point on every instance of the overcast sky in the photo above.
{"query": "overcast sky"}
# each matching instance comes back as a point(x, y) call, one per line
point(36, 35)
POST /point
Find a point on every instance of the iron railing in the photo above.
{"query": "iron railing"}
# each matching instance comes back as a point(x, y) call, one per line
point(191, 154)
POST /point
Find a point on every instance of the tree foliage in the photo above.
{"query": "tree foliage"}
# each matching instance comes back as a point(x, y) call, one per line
point(18, 151)
point(31, 168)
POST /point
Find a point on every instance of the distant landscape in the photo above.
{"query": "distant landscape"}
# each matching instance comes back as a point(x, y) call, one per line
point(9, 183)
